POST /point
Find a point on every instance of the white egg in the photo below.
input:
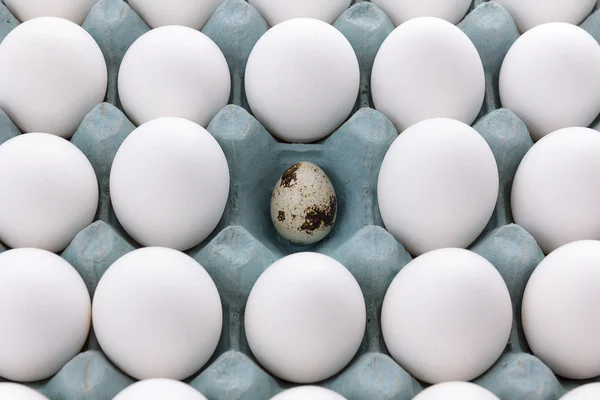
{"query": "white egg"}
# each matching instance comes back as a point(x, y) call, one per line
point(49, 192)
point(560, 320)
point(455, 391)
point(303, 204)
point(591, 391)
point(157, 314)
point(13, 391)
point(169, 183)
point(308, 393)
point(159, 389)
point(45, 314)
point(276, 11)
point(438, 186)
point(295, 87)
point(52, 73)
point(190, 13)
point(401, 11)
point(427, 68)
point(529, 14)
point(73, 10)
point(174, 71)
point(556, 191)
point(549, 78)
point(305, 317)
point(447, 316)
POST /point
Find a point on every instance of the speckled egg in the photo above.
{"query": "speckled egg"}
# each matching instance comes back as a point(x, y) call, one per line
point(303, 205)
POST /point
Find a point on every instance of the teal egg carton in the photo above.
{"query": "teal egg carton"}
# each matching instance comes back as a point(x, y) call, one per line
point(245, 242)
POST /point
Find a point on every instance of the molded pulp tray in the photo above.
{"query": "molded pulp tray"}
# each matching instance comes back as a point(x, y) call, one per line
point(245, 243)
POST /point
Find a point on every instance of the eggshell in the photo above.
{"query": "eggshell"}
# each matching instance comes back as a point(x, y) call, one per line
point(427, 68)
point(438, 186)
point(174, 71)
point(305, 317)
point(190, 13)
point(549, 78)
point(159, 389)
point(447, 316)
point(304, 205)
point(308, 392)
point(169, 183)
point(276, 11)
point(49, 192)
point(295, 87)
point(560, 319)
point(401, 11)
point(157, 314)
point(73, 10)
point(556, 190)
point(529, 14)
point(52, 73)
point(45, 314)
point(591, 391)
point(13, 391)
point(455, 391)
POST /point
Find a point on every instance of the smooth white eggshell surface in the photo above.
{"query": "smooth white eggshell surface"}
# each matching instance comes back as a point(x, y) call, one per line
point(305, 317)
point(276, 11)
point(190, 13)
point(14, 391)
point(169, 183)
point(438, 186)
point(52, 73)
point(529, 14)
point(549, 78)
point(308, 393)
point(174, 71)
point(556, 190)
point(401, 11)
point(49, 192)
point(447, 316)
point(45, 313)
point(157, 314)
point(73, 10)
point(159, 389)
point(455, 391)
point(303, 204)
point(427, 68)
point(302, 80)
point(560, 320)
point(591, 391)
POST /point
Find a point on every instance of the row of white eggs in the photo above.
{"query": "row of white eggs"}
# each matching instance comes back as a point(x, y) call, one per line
point(53, 73)
point(54, 195)
point(195, 14)
point(52, 192)
point(157, 313)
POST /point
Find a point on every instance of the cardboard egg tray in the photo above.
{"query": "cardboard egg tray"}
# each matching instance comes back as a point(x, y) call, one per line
point(245, 243)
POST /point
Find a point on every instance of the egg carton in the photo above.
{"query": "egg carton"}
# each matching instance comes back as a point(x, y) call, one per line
point(245, 242)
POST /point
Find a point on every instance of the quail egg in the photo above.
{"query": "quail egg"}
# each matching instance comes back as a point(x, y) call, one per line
point(304, 205)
